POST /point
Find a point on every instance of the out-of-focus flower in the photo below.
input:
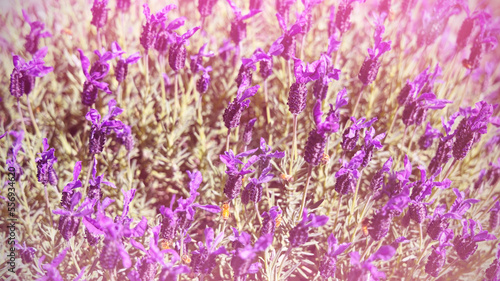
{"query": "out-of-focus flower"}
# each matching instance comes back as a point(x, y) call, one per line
point(27, 253)
point(99, 13)
point(243, 256)
point(269, 221)
point(300, 233)
point(121, 68)
point(348, 175)
point(197, 60)
point(283, 8)
point(364, 271)
point(247, 134)
point(125, 137)
point(13, 151)
point(52, 273)
point(288, 39)
point(102, 128)
point(329, 262)
point(35, 34)
point(205, 7)
point(371, 142)
point(426, 140)
point(45, 171)
point(434, 22)
point(123, 5)
point(203, 82)
point(378, 178)
point(466, 244)
point(265, 155)
point(225, 50)
point(444, 149)
point(253, 190)
point(492, 273)
point(69, 189)
point(22, 78)
point(369, 69)
point(235, 176)
point(494, 218)
point(307, 13)
point(238, 26)
point(342, 18)
point(203, 260)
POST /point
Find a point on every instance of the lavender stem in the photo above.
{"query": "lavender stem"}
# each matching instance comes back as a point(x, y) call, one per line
point(357, 101)
point(33, 120)
point(304, 194)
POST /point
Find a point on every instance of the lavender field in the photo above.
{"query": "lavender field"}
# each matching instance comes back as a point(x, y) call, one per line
point(250, 140)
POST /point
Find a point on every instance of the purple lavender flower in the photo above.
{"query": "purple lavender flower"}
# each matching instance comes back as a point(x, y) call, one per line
point(164, 35)
point(471, 127)
point(27, 253)
point(45, 171)
point(460, 206)
point(283, 8)
point(93, 229)
point(52, 273)
point(288, 39)
point(69, 189)
point(246, 71)
point(203, 82)
point(369, 69)
point(205, 7)
point(93, 82)
point(348, 175)
point(99, 13)
point(69, 221)
point(300, 233)
point(177, 52)
point(253, 190)
point(148, 34)
point(329, 262)
point(225, 50)
point(381, 221)
point(378, 178)
point(102, 128)
point(247, 134)
point(123, 5)
point(125, 137)
point(13, 151)
point(416, 109)
point(203, 260)
point(316, 142)
point(242, 258)
point(492, 273)
point(269, 221)
point(438, 256)
point(493, 173)
point(22, 78)
point(232, 114)
point(366, 270)
point(444, 149)
point(413, 88)
point(351, 134)
point(434, 22)
point(371, 142)
point(235, 176)
point(36, 32)
point(494, 218)
point(121, 68)
point(467, 26)
point(466, 244)
point(94, 191)
point(327, 74)
point(238, 26)
point(265, 155)
point(307, 13)
point(426, 140)
point(197, 60)
point(304, 73)
point(483, 42)
point(398, 180)
point(342, 18)
point(168, 222)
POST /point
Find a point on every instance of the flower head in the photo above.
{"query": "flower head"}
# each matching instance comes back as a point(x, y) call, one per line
point(288, 39)
point(253, 190)
point(269, 221)
point(369, 69)
point(348, 175)
point(22, 78)
point(69, 189)
point(371, 142)
point(366, 270)
point(351, 134)
point(177, 52)
point(69, 221)
point(426, 140)
point(205, 7)
point(27, 253)
point(197, 60)
point(35, 34)
point(300, 233)
point(238, 26)
point(204, 81)
point(328, 264)
point(97, 72)
point(101, 128)
point(45, 171)
point(232, 114)
point(121, 68)
point(234, 182)
point(466, 244)
point(438, 256)
point(242, 257)
point(204, 259)
point(99, 13)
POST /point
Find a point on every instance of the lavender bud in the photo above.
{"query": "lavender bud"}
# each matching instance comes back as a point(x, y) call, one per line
point(109, 254)
point(289, 44)
point(66, 199)
point(16, 83)
point(251, 193)
point(45, 173)
point(182, 221)
point(315, 145)
point(123, 5)
point(369, 70)
point(148, 269)
point(92, 238)
point(232, 114)
point(89, 93)
point(492, 273)
point(268, 225)
point(247, 134)
point(68, 226)
point(255, 4)
point(202, 84)
point(297, 98)
point(168, 227)
point(417, 212)
point(368, 155)
point(416, 190)
point(198, 259)
point(298, 235)
point(177, 56)
point(465, 246)
point(409, 113)
point(29, 83)
point(266, 68)
point(99, 13)
point(384, 6)
point(493, 220)
point(205, 7)
point(345, 183)
point(195, 63)
point(320, 88)
point(27, 255)
point(404, 93)
point(233, 186)
point(342, 18)
point(379, 225)
point(244, 75)
point(464, 32)
point(238, 31)
point(161, 42)
point(434, 263)
point(327, 267)
point(121, 70)
point(97, 140)
point(436, 226)
point(377, 180)
point(464, 139)
point(347, 142)
point(94, 192)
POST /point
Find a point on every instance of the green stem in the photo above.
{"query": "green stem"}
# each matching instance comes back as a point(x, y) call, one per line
point(360, 94)
point(32, 116)
point(304, 194)
point(228, 138)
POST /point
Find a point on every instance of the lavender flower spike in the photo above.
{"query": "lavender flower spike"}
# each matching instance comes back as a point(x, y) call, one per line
point(328, 264)
point(93, 82)
point(204, 259)
point(466, 244)
point(348, 175)
point(426, 140)
point(304, 73)
point(300, 233)
point(351, 134)
point(366, 270)
point(35, 34)
point(369, 69)
point(493, 272)
point(22, 78)
point(102, 128)
point(243, 256)
point(232, 114)
point(269, 221)
point(197, 60)
point(238, 26)
point(69, 221)
point(288, 39)
point(52, 273)
point(27, 253)
point(99, 13)
point(69, 189)
point(438, 256)
point(177, 52)
point(235, 176)
point(121, 68)
point(371, 142)
point(253, 190)
point(45, 171)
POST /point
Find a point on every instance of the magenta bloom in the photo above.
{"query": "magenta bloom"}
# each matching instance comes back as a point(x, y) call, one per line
point(238, 26)
point(70, 187)
point(52, 273)
point(348, 175)
point(69, 221)
point(232, 114)
point(329, 262)
point(369, 69)
point(45, 171)
point(100, 129)
point(35, 34)
point(149, 28)
point(366, 270)
point(177, 53)
point(300, 233)
point(22, 78)
point(466, 244)
point(203, 260)
point(438, 256)
point(288, 39)
point(121, 68)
